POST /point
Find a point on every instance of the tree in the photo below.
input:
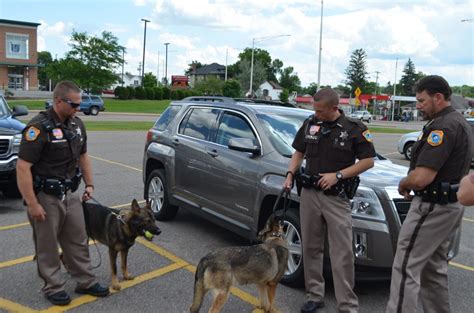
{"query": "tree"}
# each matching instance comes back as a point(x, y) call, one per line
point(290, 80)
point(44, 58)
point(194, 63)
point(91, 62)
point(210, 86)
point(284, 95)
point(408, 79)
point(259, 75)
point(232, 89)
point(149, 80)
point(356, 72)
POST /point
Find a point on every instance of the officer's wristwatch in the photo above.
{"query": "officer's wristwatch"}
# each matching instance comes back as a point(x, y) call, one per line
point(339, 175)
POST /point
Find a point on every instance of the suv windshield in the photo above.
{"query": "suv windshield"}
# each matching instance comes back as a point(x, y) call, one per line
point(3, 108)
point(282, 130)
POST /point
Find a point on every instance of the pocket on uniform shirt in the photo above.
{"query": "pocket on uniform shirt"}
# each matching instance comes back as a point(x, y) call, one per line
point(58, 150)
point(344, 151)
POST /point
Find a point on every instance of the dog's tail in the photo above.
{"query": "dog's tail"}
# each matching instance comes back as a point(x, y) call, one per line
point(199, 286)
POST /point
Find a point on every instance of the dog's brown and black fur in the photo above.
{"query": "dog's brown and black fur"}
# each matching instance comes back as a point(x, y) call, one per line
point(263, 264)
point(119, 235)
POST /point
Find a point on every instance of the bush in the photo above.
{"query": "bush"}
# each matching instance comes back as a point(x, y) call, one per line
point(232, 89)
point(126, 94)
point(180, 94)
point(150, 93)
point(284, 95)
point(140, 93)
point(166, 93)
point(131, 92)
point(118, 92)
point(158, 93)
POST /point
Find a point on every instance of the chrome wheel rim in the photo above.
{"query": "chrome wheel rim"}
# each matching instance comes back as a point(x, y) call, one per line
point(156, 194)
point(293, 238)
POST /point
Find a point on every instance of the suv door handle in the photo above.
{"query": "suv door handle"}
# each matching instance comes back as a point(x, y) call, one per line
point(175, 142)
point(213, 153)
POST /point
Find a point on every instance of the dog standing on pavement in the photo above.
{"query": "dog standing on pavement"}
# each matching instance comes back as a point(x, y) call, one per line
point(263, 264)
point(118, 229)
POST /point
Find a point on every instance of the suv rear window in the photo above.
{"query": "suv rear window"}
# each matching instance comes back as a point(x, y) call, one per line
point(199, 122)
point(166, 117)
point(95, 99)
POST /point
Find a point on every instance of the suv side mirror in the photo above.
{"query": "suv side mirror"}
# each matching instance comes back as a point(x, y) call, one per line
point(19, 110)
point(244, 145)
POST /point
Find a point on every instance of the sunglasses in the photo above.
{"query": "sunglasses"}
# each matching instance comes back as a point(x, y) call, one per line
point(72, 104)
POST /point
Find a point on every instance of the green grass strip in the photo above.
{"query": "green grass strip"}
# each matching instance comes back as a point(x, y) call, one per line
point(386, 130)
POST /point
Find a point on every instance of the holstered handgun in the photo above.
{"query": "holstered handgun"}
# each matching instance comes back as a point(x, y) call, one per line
point(350, 187)
point(76, 180)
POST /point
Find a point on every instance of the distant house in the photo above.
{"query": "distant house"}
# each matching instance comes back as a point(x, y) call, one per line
point(128, 80)
point(270, 90)
point(205, 72)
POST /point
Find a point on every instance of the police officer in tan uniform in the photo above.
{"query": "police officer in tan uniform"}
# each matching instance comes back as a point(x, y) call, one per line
point(440, 158)
point(331, 143)
point(53, 152)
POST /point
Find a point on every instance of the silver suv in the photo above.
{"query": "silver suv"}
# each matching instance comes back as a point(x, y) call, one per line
point(226, 161)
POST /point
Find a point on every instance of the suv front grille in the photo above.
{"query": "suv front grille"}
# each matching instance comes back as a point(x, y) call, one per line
point(402, 206)
point(4, 144)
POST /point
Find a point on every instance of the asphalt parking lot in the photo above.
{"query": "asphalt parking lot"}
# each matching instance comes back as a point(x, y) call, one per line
point(164, 268)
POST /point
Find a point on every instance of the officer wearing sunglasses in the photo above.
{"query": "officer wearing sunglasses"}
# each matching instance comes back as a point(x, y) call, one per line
point(51, 163)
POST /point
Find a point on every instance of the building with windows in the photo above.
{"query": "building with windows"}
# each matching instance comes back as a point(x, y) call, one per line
point(18, 55)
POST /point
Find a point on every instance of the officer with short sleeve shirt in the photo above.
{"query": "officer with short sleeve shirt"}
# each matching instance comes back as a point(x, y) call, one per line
point(53, 152)
point(331, 143)
point(440, 158)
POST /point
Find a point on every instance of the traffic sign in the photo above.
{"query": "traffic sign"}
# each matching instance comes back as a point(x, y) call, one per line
point(357, 92)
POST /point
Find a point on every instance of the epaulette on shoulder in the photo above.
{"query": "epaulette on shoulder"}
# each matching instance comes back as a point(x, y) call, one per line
point(356, 122)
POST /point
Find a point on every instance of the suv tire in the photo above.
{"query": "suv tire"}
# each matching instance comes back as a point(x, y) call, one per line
point(157, 195)
point(94, 110)
point(407, 150)
point(293, 237)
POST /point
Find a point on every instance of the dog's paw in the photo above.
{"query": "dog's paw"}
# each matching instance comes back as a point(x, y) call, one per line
point(128, 277)
point(116, 287)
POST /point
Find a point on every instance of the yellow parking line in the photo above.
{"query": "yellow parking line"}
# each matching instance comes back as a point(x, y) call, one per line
point(116, 163)
point(124, 284)
point(462, 266)
point(10, 306)
point(16, 261)
point(468, 220)
point(13, 226)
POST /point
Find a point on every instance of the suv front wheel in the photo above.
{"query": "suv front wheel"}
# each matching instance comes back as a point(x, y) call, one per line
point(294, 275)
point(157, 195)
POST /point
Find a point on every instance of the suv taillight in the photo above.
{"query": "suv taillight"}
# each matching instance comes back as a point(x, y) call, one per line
point(149, 135)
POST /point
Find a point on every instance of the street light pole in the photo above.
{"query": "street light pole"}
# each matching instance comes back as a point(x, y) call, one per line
point(144, 42)
point(226, 55)
point(166, 64)
point(123, 61)
point(158, 69)
point(376, 81)
point(253, 51)
point(320, 47)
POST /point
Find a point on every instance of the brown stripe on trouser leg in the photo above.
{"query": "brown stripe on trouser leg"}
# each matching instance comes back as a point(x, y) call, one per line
point(428, 251)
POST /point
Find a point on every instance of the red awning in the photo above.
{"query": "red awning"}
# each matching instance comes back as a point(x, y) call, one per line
point(374, 97)
point(303, 99)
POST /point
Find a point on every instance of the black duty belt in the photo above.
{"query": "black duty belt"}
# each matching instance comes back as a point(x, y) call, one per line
point(57, 187)
point(346, 186)
point(442, 193)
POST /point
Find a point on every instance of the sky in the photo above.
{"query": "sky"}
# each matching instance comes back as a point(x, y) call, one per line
point(438, 35)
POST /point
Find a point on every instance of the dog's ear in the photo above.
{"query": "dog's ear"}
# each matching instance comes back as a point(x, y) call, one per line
point(135, 206)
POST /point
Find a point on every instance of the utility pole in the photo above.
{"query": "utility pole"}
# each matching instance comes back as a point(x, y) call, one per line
point(166, 64)
point(123, 61)
point(320, 47)
point(158, 69)
point(226, 55)
point(394, 89)
point(144, 43)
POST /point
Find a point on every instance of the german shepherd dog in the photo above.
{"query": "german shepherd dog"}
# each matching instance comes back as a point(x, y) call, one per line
point(118, 229)
point(262, 264)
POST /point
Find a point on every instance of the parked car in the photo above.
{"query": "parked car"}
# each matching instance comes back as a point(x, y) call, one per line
point(90, 105)
point(10, 138)
point(362, 115)
point(226, 161)
point(469, 112)
point(406, 141)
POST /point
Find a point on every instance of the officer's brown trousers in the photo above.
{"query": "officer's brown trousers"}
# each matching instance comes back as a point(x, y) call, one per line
point(319, 212)
point(64, 227)
point(420, 268)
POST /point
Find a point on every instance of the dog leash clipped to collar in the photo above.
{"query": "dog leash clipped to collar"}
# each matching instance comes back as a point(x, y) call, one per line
point(117, 216)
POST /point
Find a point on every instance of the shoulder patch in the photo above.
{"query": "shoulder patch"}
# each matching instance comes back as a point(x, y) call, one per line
point(435, 138)
point(368, 136)
point(32, 133)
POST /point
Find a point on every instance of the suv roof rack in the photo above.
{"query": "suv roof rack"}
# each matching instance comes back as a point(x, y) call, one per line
point(268, 102)
point(209, 99)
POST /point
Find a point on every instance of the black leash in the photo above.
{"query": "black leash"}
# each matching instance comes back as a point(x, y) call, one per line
point(286, 196)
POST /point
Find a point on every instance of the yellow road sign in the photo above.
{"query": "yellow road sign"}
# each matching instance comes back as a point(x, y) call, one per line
point(357, 101)
point(357, 92)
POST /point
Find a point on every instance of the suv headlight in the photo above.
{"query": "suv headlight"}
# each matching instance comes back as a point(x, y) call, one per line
point(16, 143)
point(366, 204)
